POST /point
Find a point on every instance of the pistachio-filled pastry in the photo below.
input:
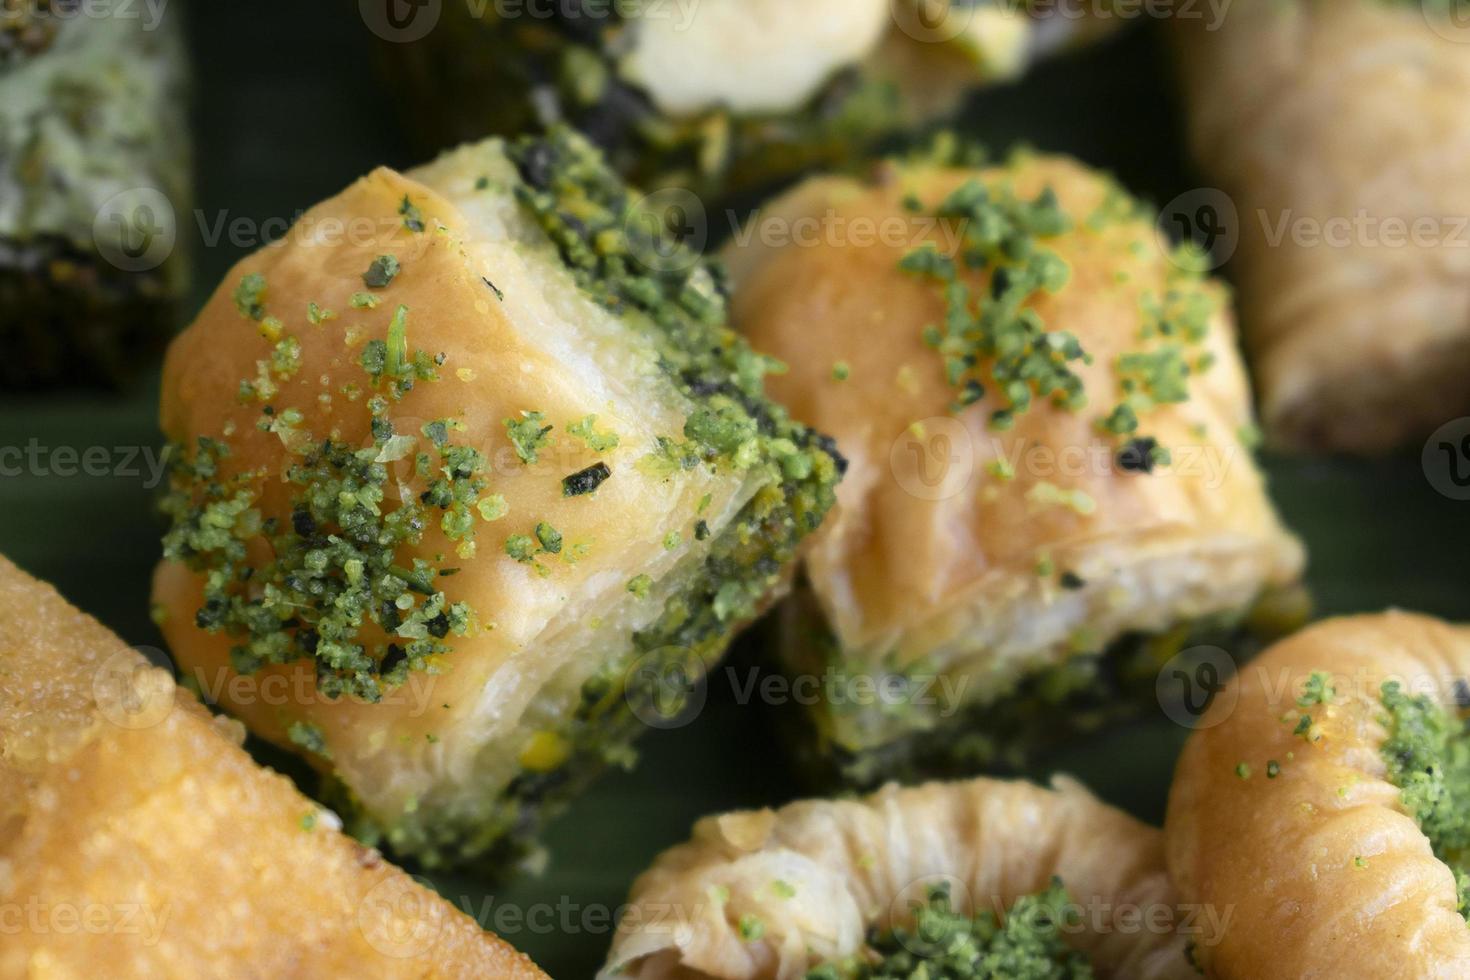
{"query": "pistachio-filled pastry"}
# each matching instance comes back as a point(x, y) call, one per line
point(1051, 489)
point(908, 883)
point(461, 482)
point(94, 168)
point(137, 839)
point(716, 95)
point(1326, 799)
point(1337, 128)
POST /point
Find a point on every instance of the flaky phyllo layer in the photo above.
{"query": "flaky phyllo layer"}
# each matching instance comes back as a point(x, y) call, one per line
point(1049, 432)
point(472, 480)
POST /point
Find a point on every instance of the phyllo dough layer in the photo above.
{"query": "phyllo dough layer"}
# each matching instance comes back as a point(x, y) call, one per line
point(1048, 429)
point(470, 471)
point(1324, 800)
point(773, 894)
point(137, 839)
point(1337, 130)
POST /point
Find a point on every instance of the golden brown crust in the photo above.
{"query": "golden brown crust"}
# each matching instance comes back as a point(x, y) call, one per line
point(911, 555)
point(1337, 117)
point(538, 344)
point(137, 839)
point(818, 874)
point(1324, 871)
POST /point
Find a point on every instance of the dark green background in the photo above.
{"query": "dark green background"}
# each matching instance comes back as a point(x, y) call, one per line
point(289, 109)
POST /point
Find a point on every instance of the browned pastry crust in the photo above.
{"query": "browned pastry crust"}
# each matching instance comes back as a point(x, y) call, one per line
point(1323, 870)
point(137, 839)
point(848, 865)
point(1339, 126)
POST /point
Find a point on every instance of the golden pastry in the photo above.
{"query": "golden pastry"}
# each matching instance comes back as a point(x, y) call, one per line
point(830, 889)
point(467, 467)
point(1336, 128)
point(137, 839)
point(1324, 802)
point(1051, 489)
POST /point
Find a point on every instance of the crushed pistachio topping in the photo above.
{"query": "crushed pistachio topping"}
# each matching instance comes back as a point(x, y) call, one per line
point(334, 564)
point(668, 307)
point(381, 273)
point(1169, 355)
point(586, 430)
point(585, 481)
point(944, 942)
point(413, 219)
point(528, 435)
point(1428, 757)
point(250, 296)
point(996, 338)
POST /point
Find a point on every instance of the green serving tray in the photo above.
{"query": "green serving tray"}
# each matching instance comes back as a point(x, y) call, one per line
point(289, 109)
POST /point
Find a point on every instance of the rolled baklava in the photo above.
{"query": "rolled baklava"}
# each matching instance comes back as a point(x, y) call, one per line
point(1324, 801)
point(138, 840)
point(1336, 129)
point(721, 94)
point(94, 172)
point(1051, 491)
point(471, 475)
point(982, 879)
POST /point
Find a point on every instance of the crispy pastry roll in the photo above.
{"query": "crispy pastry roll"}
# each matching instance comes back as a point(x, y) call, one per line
point(973, 879)
point(461, 480)
point(1337, 128)
point(716, 94)
point(94, 166)
point(137, 839)
point(1325, 801)
point(1050, 491)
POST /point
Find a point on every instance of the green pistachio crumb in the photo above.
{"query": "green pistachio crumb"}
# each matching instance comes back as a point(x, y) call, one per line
point(529, 435)
point(586, 430)
point(383, 270)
